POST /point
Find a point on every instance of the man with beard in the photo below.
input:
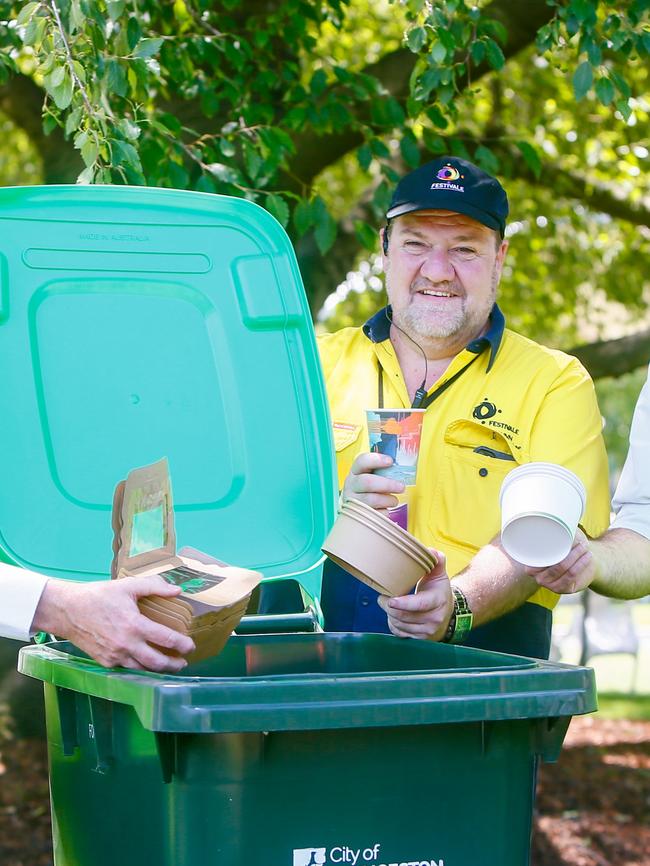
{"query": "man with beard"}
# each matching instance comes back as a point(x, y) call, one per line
point(493, 400)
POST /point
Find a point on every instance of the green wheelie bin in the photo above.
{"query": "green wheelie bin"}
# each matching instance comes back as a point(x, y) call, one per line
point(303, 749)
point(142, 323)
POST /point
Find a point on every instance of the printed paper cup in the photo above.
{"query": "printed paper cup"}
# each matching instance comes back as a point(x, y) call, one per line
point(396, 432)
point(541, 506)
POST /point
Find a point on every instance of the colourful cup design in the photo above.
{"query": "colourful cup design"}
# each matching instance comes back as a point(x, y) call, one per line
point(396, 432)
point(399, 515)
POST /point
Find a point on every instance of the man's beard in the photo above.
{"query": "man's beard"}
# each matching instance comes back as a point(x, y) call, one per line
point(418, 322)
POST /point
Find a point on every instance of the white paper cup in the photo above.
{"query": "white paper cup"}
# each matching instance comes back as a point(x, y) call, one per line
point(541, 506)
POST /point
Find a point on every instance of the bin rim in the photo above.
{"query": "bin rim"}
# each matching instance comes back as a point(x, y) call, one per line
point(512, 687)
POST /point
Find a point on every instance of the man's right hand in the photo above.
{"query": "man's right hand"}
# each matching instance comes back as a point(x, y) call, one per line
point(375, 490)
point(103, 619)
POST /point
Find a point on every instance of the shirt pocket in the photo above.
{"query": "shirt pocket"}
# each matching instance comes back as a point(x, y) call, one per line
point(345, 435)
point(464, 510)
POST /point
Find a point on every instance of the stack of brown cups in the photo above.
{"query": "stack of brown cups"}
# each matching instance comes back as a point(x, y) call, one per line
point(377, 551)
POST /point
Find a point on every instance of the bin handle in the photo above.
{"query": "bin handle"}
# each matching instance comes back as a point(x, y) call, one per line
point(279, 623)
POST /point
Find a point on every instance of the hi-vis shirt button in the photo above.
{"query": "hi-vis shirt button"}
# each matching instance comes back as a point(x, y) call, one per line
point(483, 472)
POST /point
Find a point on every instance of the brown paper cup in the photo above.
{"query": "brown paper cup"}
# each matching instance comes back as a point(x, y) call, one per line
point(372, 556)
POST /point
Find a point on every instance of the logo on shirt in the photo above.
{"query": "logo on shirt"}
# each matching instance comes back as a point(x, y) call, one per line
point(485, 410)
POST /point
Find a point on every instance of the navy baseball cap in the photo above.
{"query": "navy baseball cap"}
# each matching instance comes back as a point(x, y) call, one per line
point(450, 183)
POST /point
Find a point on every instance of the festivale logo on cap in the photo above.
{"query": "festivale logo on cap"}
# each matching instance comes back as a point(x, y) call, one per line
point(447, 176)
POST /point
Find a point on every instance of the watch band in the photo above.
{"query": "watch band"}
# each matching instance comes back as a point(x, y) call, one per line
point(461, 620)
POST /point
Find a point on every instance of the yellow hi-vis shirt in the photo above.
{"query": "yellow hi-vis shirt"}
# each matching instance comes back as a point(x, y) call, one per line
point(518, 398)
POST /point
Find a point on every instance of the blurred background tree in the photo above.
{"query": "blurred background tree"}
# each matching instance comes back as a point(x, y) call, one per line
point(314, 109)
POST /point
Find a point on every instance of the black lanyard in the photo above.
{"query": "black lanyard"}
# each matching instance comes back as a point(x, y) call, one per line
point(428, 398)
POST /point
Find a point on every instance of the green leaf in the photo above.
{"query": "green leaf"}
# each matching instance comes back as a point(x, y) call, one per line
point(364, 157)
point(416, 39)
point(495, 55)
point(72, 120)
point(446, 93)
point(477, 51)
point(56, 77)
point(544, 38)
point(379, 149)
point(605, 90)
point(87, 175)
point(394, 111)
point(254, 162)
point(437, 117)
point(26, 13)
point(278, 207)
point(621, 84)
point(77, 18)
point(486, 159)
point(583, 10)
point(318, 82)
point(594, 54)
point(227, 147)
point(494, 28)
point(531, 157)
point(34, 31)
point(302, 216)
point(62, 95)
point(438, 52)
point(582, 80)
point(325, 231)
point(133, 32)
point(381, 197)
point(130, 131)
point(125, 153)
point(115, 8)
point(409, 149)
point(49, 124)
point(116, 78)
point(204, 184)
point(458, 148)
point(624, 107)
point(223, 173)
point(434, 143)
point(89, 151)
point(366, 235)
point(79, 71)
point(147, 47)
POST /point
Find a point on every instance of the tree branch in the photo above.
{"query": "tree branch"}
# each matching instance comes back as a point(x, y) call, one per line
point(315, 152)
point(615, 357)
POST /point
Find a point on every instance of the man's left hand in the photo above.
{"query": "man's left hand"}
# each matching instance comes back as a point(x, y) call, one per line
point(426, 614)
point(575, 573)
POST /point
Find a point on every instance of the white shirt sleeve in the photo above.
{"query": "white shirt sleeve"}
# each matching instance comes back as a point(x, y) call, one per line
point(20, 592)
point(632, 498)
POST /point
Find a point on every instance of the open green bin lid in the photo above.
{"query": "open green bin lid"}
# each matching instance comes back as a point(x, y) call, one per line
point(139, 323)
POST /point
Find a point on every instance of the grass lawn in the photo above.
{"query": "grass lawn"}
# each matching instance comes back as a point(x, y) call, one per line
point(614, 705)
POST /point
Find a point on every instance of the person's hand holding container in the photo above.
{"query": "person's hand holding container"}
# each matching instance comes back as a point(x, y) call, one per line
point(541, 507)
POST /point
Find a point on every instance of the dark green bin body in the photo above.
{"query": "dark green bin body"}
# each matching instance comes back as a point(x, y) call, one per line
point(303, 750)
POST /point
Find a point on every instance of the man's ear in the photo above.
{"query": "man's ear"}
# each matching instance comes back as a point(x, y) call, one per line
point(383, 234)
point(501, 255)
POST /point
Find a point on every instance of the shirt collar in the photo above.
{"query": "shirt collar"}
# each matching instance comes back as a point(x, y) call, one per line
point(377, 329)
